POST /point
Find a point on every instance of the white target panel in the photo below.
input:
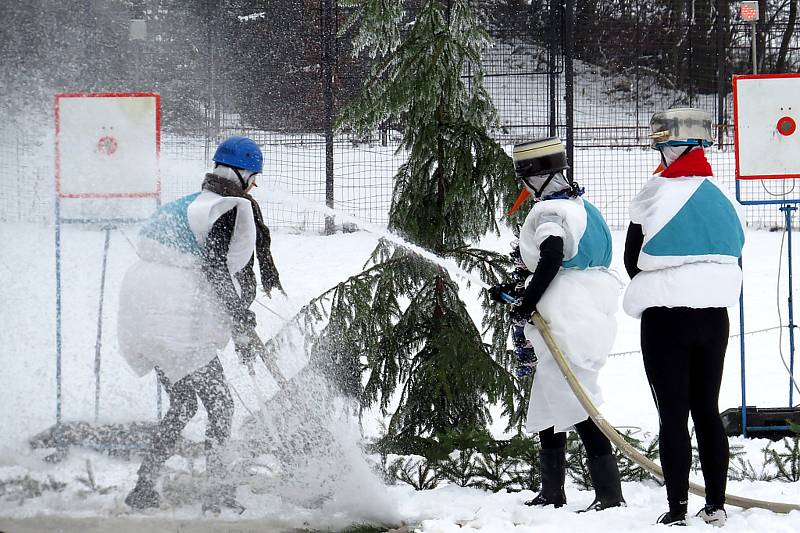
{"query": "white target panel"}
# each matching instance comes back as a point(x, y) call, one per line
point(107, 145)
point(767, 113)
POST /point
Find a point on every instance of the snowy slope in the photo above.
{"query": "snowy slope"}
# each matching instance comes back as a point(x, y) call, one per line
point(309, 264)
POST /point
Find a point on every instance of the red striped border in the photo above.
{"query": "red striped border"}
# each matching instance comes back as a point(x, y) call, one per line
point(57, 115)
point(736, 78)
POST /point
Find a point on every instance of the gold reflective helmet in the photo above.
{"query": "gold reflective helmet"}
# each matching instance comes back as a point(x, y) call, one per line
point(542, 156)
point(539, 165)
point(681, 126)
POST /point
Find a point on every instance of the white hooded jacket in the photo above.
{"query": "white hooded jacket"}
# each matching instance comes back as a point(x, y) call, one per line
point(579, 305)
point(170, 316)
point(693, 238)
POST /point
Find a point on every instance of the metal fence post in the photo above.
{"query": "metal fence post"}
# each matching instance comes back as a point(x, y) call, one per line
point(636, 74)
point(753, 41)
point(99, 340)
point(57, 215)
point(327, 81)
point(787, 209)
point(552, 64)
point(722, 15)
point(690, 48)
point(211, 135)
point(569, 86)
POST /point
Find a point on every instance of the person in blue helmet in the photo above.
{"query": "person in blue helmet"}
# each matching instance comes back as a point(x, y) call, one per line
point(185, 298)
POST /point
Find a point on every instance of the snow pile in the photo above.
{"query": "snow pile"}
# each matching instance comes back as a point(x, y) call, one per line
point(305, 445)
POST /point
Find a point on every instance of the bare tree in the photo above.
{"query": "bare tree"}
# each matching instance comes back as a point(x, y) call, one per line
point(788, 32)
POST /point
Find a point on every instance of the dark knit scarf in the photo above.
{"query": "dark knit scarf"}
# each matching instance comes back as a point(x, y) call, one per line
point(269, 272)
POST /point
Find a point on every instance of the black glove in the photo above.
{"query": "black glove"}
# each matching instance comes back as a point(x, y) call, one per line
point(521, 313)
point(248, 346)
point(495, 293)
point(247, 320)
point(245, 339)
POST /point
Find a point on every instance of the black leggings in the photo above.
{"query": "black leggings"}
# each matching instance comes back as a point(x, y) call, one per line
point(209, 384)
point(594, 441)
point(684, 352)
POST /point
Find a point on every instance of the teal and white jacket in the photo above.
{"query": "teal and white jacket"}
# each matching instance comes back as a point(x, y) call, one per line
point(170, 316)
point(175, 233)
point(693, 237)
point(580, 305)
point(587, 240)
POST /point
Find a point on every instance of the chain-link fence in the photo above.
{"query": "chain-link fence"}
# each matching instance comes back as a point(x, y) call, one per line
point(595, 86)
point(613, 102)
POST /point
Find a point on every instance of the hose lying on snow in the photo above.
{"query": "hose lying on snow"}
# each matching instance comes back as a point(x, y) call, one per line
point(629, 451)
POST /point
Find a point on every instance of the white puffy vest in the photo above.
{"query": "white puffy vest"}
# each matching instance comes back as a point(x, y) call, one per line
point(169, 315)
point(693, 238)
point(580, 305)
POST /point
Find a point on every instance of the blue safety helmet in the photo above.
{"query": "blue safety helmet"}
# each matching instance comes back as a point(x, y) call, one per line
point(241, 153)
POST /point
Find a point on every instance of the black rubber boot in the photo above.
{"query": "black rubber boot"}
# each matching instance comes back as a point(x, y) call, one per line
point(143, 495)
point(607, 486)
point(553, 467)
point(672, 518)
point(220, 497)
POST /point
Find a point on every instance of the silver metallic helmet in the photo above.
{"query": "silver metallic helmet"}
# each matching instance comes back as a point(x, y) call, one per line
point(682, 126)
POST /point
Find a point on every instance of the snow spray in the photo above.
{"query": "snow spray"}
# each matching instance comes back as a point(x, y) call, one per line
point(304, 450)
point(448, 264)
point(305, 446)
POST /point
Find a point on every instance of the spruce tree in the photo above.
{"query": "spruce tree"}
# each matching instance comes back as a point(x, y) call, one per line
point(399, 334)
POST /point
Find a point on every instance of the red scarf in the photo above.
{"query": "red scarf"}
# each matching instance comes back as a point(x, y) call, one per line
point(693, 163)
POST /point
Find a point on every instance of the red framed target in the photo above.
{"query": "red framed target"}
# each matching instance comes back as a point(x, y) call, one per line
point(766, 110)
point(107, 145)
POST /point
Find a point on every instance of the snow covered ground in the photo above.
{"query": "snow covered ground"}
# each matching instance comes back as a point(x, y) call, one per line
point(309, 264)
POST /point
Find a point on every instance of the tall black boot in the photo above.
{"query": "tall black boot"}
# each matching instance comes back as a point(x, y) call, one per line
point(220, 496)
point(144, 494)
point(553, 467)
point(607, 486)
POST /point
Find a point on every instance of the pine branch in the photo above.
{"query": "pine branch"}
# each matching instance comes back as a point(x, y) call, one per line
point(787, 462)
point(418, 473)
point(576, 461)
point(400, 329)
point(493, 472)
point(378, 25)
point(459, 469)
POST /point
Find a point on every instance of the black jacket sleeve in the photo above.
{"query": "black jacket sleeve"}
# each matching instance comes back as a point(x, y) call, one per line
point(215, 266)
point(247, 282)
point(551, 254)
point(633, 245)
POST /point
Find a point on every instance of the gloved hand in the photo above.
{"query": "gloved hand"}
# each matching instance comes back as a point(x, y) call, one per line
point(245, 339)
point(248, 346)
point(520, 313)
point(523, 371)
point(525, 354)
point(495, 293)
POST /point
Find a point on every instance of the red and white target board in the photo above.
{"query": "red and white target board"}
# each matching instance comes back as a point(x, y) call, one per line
point(767, 114)
point(107, 145)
